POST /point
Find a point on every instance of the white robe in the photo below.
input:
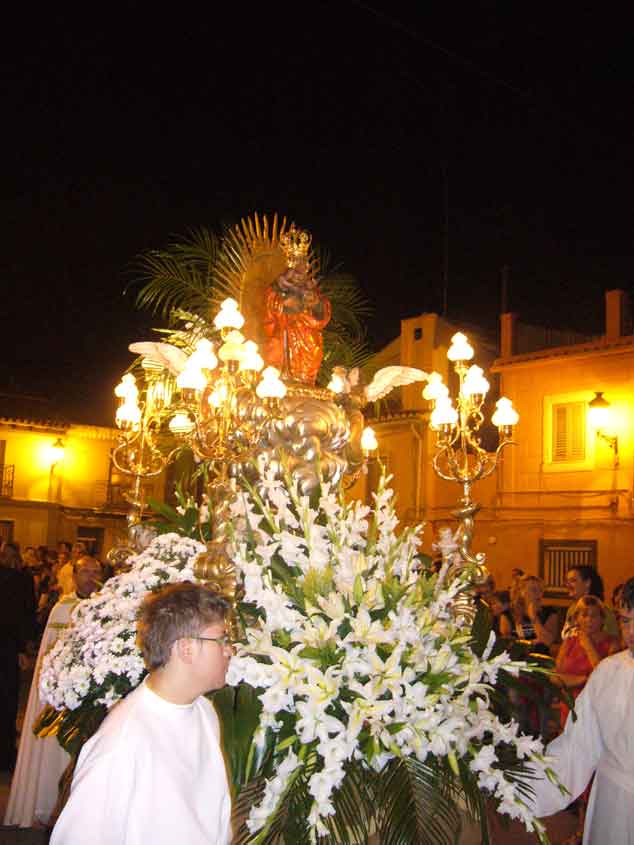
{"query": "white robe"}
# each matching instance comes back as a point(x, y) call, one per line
point(601, 741)
point(153, 772)
point(41, 762)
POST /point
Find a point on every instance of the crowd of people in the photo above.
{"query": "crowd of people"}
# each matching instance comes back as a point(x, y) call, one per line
point(39, 588)
point(578, 639)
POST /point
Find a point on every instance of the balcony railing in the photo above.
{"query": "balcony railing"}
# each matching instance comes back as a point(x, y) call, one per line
point(113, 495)
point(7, 474)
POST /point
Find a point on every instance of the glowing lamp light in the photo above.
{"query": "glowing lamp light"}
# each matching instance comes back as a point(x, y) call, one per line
point(336, 383)
point(460, 349)
point(251, 359)
point(56, 452)
point(368, 440)
point(599, 411)
point(229, 316)
point(444, 413)
point(128, 415)
point(203, 357)
point(505, 414)
point(181, 424)
point(127, 389)
point(233, 347)
point(474, 383)
point(191, 378)
point(271, 386)
point(435, 389)
point(218, 395)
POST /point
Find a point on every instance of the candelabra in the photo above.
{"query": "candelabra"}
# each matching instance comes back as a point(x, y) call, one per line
point(459, 455)
point(216, 405)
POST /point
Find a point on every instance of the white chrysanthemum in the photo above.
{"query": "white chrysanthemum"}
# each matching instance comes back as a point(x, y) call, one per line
point(97, 657)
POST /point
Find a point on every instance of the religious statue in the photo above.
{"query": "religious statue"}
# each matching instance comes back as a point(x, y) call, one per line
point(295, 313)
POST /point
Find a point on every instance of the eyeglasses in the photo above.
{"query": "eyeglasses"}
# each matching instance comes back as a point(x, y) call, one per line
point(224, 640)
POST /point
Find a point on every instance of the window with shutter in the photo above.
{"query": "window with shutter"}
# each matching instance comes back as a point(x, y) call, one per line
point(568, 432)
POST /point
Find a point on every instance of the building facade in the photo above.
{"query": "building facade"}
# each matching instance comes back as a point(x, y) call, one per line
point(563, 494)
point(57, 482)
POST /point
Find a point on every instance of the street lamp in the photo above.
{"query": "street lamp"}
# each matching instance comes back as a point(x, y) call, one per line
point(56, 452)
point(599, 416)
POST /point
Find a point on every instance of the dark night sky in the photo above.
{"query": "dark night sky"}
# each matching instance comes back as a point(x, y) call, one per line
point(122, 131)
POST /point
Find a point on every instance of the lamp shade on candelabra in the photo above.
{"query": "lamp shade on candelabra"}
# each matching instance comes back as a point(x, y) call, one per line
point(444, 413)
point(460, 349)
point(229, 316)
point(505, 414)
point(474, 383)
point(271, 386)
point(368, 440)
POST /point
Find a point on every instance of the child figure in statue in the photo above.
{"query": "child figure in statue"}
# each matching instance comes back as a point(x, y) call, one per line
point(295, 313)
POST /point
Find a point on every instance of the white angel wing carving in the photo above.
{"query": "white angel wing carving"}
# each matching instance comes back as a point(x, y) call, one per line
point(388, 378)
point(168, 356)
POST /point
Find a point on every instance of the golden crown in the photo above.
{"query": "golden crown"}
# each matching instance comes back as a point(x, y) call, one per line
point(295, 243)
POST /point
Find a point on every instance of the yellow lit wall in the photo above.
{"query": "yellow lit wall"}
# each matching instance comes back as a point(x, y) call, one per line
point(52, 500)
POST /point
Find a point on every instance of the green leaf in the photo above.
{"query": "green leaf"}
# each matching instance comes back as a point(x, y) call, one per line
point(239, 709)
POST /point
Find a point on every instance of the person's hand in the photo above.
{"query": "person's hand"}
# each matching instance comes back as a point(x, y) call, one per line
point(585, 641)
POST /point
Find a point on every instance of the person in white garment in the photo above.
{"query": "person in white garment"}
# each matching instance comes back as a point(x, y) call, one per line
point(154, 771)
point(600, 742)
point(41, 762)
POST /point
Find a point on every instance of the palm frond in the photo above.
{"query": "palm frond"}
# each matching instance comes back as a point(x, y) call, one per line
point(351, 824)
point(350, 306)
point(419, 803)
point(179, 276)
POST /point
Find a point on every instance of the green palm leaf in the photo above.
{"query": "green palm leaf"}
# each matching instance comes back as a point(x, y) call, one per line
point(180, 276)
point(351, 824)
point(419, 803)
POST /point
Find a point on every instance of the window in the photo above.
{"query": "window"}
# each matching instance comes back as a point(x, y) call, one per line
point(556, 557)
point(569, 432)
point(567, 448)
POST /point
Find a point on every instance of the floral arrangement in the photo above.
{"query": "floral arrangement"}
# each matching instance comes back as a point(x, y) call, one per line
point(360, 658)
point(362, 668)
point(96, 660)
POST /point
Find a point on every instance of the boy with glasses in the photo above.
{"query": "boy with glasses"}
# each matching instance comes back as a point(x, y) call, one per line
point(154, 771)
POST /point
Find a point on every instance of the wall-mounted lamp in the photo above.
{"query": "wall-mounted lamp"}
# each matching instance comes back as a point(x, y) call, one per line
point(56, 452)
point(599, 414)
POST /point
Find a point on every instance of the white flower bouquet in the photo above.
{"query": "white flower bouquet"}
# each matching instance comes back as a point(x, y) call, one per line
point(95, 662)
point(368, 680)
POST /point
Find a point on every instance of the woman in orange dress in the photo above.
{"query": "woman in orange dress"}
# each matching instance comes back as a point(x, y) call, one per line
point(583, 652)
point(578, 657)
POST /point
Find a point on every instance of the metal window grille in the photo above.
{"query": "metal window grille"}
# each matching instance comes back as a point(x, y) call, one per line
point(6, 530)
point(7, 473)
point(556, 557)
